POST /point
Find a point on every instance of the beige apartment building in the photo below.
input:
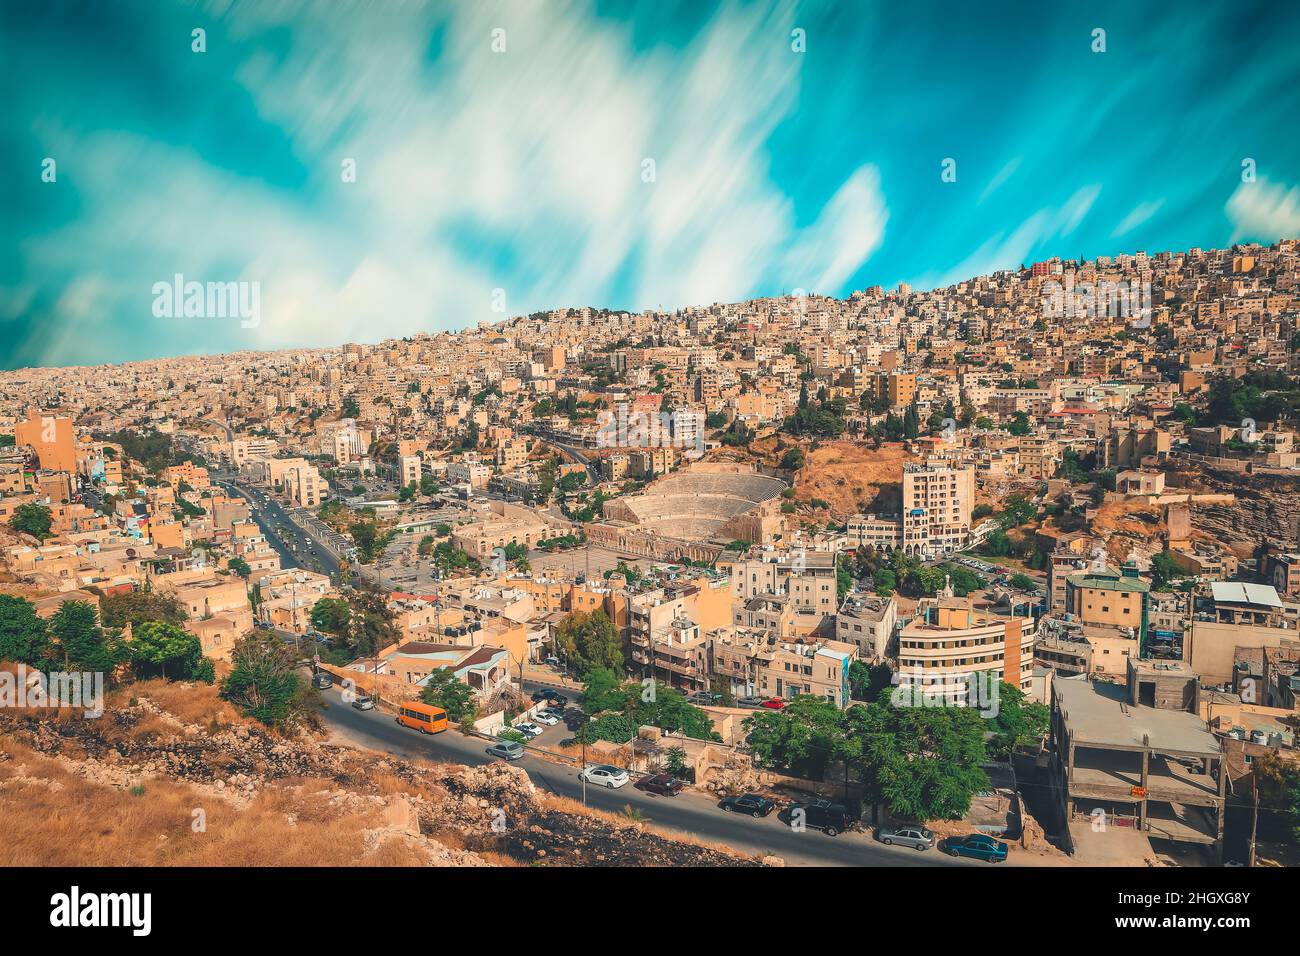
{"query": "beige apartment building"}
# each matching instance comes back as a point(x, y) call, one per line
point(952, 639)
point(757, 663)
point(807, 577)
point(937, 501)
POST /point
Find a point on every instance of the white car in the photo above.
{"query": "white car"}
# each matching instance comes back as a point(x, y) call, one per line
point(605, 776)
point(545, 717)
point(529, 730)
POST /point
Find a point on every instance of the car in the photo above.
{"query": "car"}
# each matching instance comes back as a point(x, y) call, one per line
point(907, 834)
point(751, 803)
point(704, 698)
point(749, 701)
point(529, 730)
point(322, 680)
point(773, 703)
point(605, 776)
point(545, 717)
point(977, 846)
point(664, 784)
point(831, 818)
point(506, 750)
point(551, 661)
point(364, 703)
point(553, 698)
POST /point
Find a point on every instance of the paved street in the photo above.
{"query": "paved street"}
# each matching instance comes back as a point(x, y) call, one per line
point(295, 547)
point(688, 813)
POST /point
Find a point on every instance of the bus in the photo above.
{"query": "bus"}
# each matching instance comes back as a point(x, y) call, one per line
point(423, 717)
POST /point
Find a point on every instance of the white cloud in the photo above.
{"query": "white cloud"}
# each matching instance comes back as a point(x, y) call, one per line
point(1264, 210)
point(1140, 214)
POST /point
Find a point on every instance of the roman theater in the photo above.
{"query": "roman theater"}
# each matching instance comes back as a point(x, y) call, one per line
point(693, 514)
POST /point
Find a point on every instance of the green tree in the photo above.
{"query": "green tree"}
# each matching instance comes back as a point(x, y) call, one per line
point(803, 738)
point(869, 681)
point(331, 616)
point(263, 683)
point(922, 762)
point(137, 607)
point(162, 649)
point(85, 645)
point(590, 641)
point(668, 709)
point(1164, 570)
point(240, 567)
point(1019, 722)
point(32, 519)
point(1022, 581)
point(444, 689)
point(603, 691)
point(675, 762)
point(428, 487)
point(24, 635)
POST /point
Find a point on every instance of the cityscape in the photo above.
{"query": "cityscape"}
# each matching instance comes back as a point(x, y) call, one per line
point(785, 566)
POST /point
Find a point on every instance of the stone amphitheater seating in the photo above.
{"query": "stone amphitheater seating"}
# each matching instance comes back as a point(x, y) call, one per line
point(695, 505)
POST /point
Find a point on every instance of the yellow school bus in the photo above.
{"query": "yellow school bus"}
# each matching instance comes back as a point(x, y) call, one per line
point(423, 717)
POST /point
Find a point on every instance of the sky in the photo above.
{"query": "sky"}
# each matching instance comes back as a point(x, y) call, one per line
point(380, 169)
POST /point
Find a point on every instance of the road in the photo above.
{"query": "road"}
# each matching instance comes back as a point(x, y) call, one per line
point(272, 518)
point(689, 813)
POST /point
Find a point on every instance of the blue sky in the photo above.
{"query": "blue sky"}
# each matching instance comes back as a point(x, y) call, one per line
point(523, 170)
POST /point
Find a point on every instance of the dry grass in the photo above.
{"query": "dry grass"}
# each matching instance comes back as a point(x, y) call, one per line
point(188, 703)
point(848, 476)
point(57, 818)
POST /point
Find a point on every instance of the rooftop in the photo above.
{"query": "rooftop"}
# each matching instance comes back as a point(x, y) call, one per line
point(1099, 714)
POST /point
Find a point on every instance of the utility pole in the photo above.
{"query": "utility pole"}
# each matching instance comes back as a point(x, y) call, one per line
point(1254, 819)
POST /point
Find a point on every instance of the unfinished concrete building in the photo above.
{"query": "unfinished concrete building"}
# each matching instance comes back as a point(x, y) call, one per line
point(1137, 756)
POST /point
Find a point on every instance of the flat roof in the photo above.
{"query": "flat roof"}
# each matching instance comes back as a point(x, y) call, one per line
point(1099, 714)
point(1234, 592)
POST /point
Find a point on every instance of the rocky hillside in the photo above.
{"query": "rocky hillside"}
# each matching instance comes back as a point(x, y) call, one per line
point(171, 776)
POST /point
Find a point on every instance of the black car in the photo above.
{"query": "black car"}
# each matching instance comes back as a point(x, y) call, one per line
point(831, 818)
point(551, 697)
point(322, 680)
point(751, 803)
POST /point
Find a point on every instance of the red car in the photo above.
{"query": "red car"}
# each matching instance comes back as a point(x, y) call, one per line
point(776, 703)
point(664, 784)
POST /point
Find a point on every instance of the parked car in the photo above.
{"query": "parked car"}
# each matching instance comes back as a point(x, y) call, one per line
point(605, 776)
point(553, 698)
point(773, 703)
point(704, 698)
point(551, 661)
point(664, 784)
point(364, 703)
point(506, 750)
point(751, 803)
point(917, 837)
point(322, 680)
point(545, 717)
point(831, 818)
point(529, 730)
point(749, 702)
point(977, 846)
